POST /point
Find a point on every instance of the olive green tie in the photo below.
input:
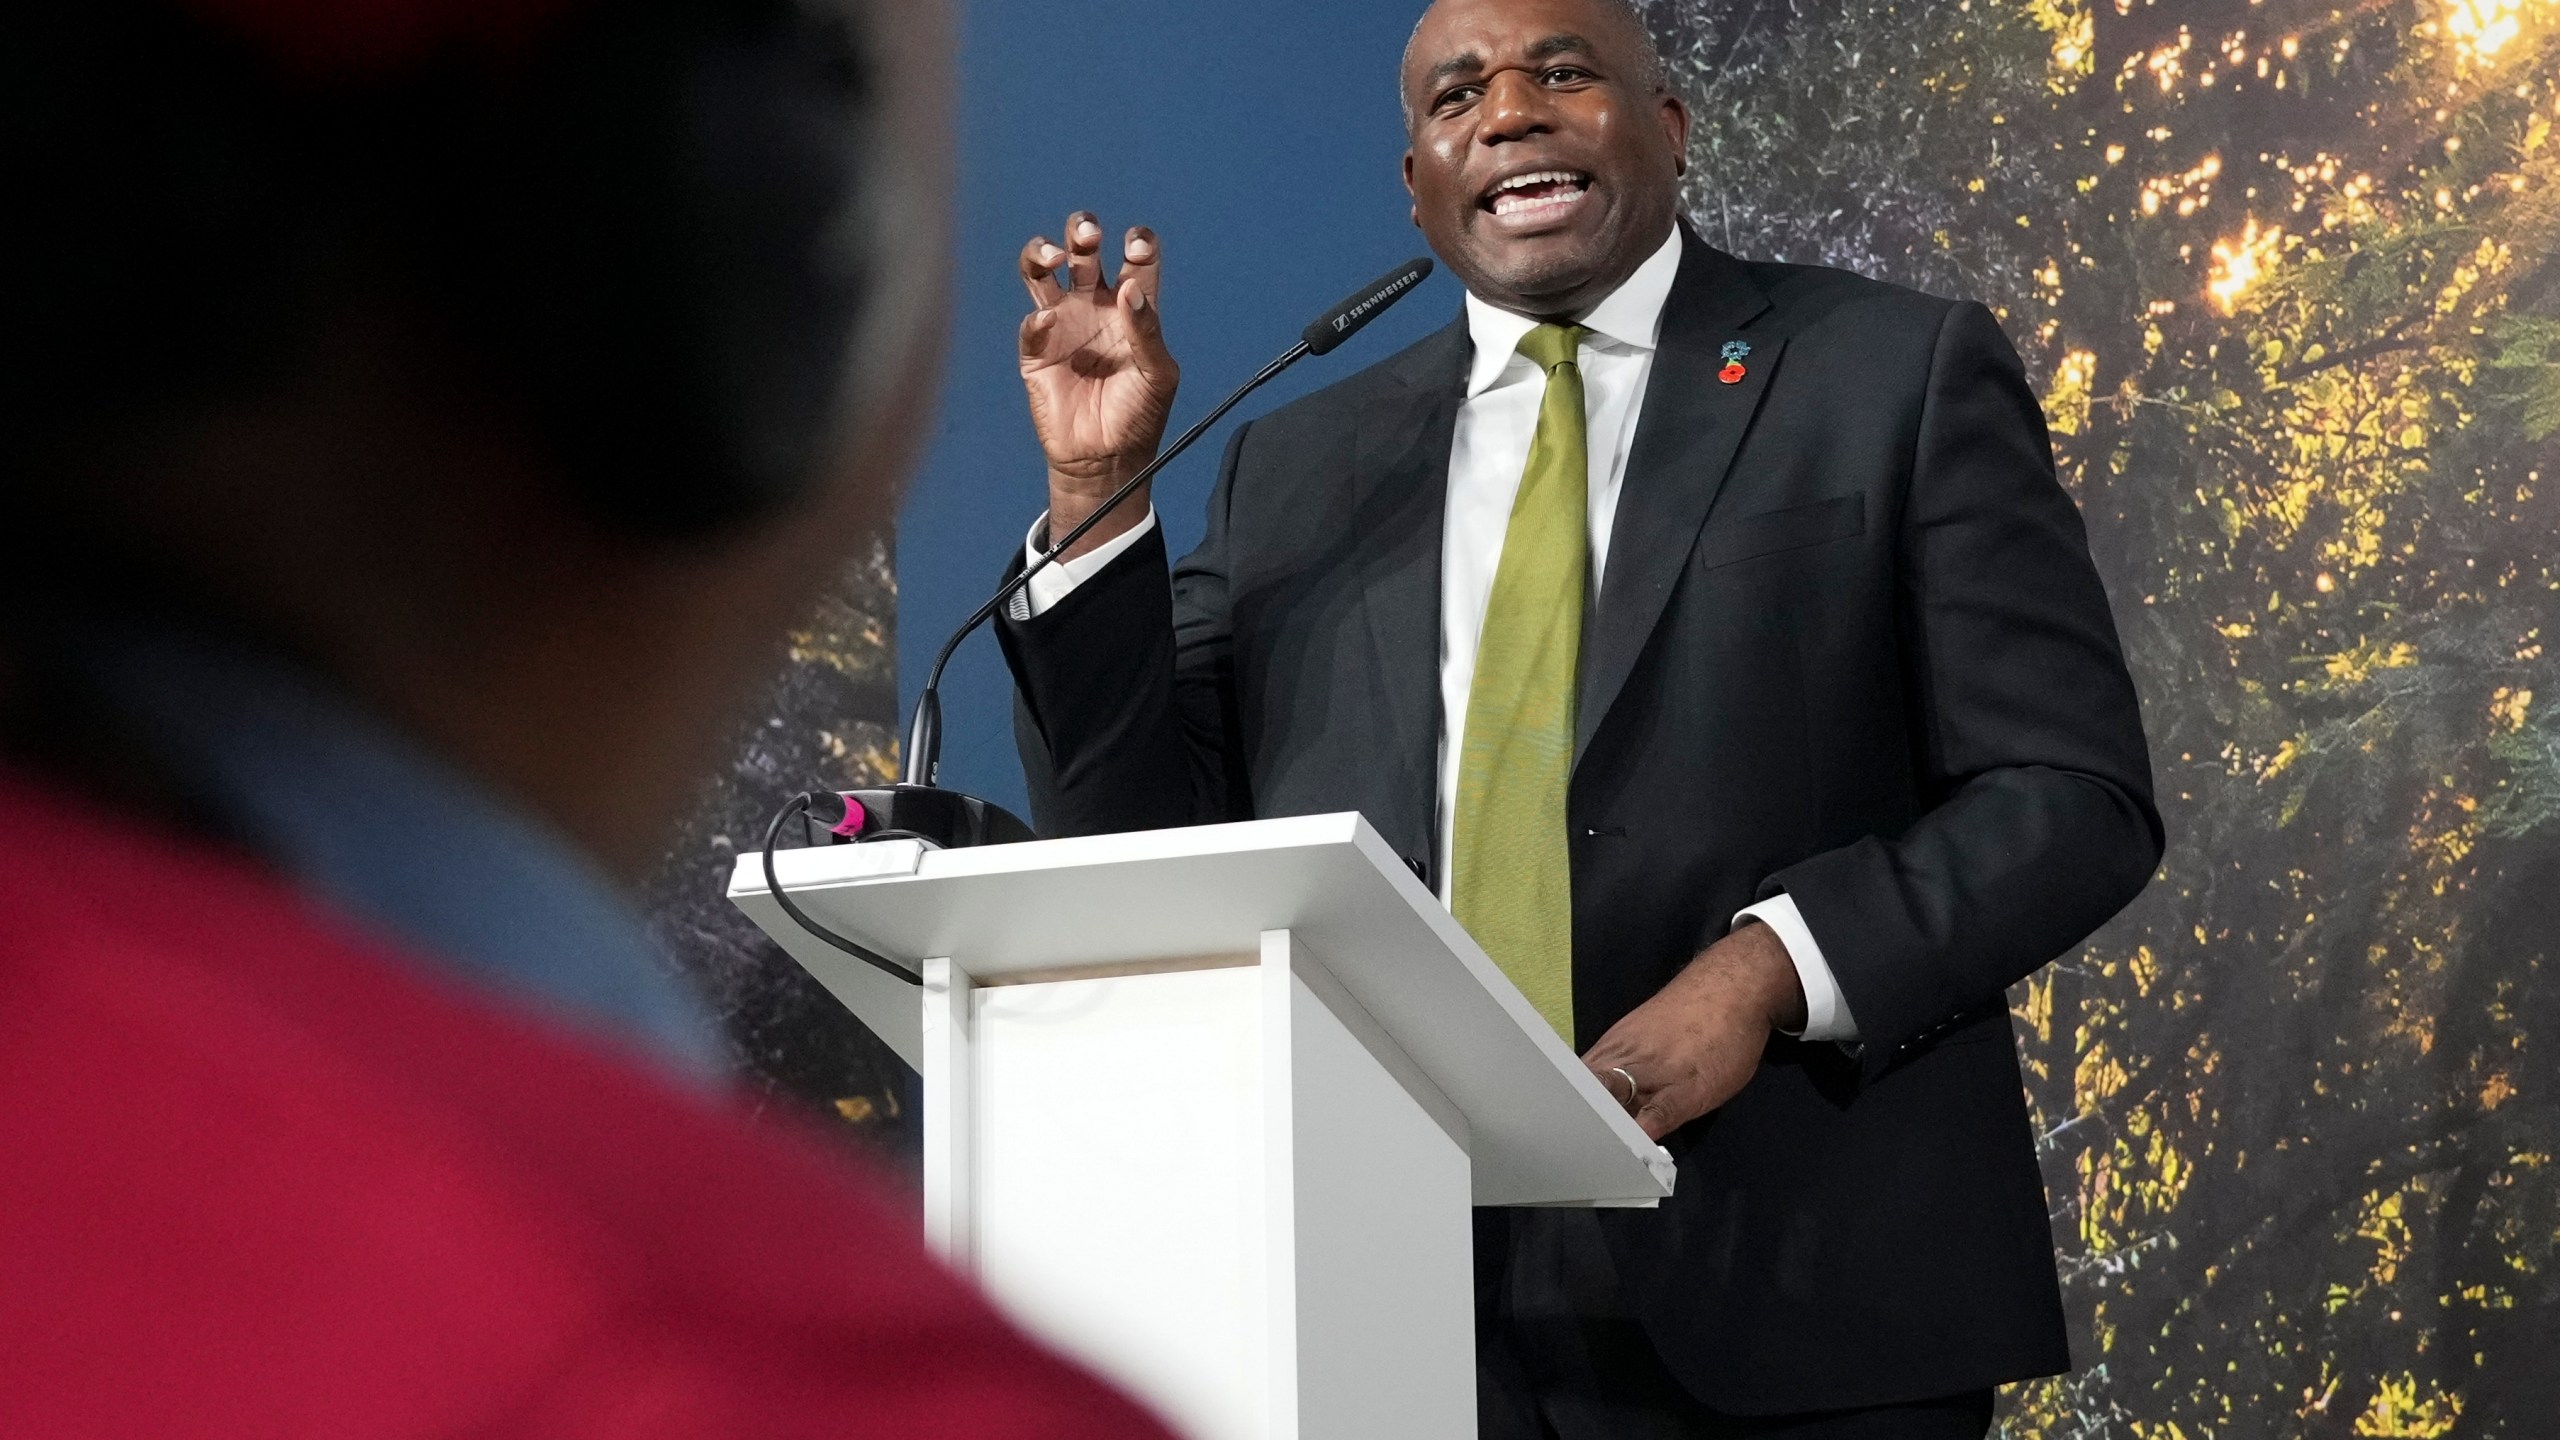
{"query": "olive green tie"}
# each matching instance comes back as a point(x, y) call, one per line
point(1511, 883)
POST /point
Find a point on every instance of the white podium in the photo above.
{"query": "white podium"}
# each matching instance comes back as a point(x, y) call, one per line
point(1207, 1108)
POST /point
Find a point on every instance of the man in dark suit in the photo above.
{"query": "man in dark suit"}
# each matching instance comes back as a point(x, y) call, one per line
point(1716, 637)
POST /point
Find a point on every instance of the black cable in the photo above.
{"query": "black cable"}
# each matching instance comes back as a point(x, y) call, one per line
point(798, 805)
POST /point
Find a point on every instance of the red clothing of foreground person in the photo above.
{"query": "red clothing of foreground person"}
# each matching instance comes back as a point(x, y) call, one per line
point(262, 1179)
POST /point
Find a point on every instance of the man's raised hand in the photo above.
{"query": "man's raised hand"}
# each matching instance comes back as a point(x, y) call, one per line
point(1095, 368)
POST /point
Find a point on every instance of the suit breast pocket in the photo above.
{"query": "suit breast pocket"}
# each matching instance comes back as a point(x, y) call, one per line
point(1748, 537)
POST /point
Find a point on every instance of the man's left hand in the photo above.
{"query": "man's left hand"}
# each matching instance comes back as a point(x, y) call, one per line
point(1697, 1042)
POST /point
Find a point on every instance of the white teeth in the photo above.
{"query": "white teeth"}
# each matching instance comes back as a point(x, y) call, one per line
point(1507, 199)
point(1542, 177)
point(1513, 204)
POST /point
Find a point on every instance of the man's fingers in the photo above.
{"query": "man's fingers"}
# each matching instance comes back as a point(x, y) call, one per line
point(1621, 1085)
point(1040, 262)
point(1084, 252)
point(1036, 328)
point(1145, 324)
point(1633, 1078)
point(1146, 337)
point(1141, 257)
point(1665, 1110)
point(1604, 1061)
point(1669, 1107)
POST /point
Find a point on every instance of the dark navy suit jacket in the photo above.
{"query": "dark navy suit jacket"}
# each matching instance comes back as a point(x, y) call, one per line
point(1850, 647)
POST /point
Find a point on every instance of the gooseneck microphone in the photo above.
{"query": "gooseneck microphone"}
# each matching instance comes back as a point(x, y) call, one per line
point(917, 808)
point(1346, 319)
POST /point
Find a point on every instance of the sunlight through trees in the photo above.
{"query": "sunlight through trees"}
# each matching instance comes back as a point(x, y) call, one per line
point(2286, 274)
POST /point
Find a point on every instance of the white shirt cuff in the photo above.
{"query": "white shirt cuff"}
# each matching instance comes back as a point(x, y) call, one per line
point(1055, 582)
point(1826, 1010)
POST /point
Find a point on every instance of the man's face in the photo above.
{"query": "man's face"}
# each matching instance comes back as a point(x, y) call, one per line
point(1541, 169)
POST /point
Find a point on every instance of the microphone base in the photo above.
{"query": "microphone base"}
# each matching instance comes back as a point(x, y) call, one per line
point(946, 818)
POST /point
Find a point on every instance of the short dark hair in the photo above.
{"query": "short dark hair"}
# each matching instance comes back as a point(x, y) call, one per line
point(1651, 73)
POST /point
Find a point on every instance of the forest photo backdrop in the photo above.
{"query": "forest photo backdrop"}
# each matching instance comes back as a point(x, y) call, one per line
point(2285, 275)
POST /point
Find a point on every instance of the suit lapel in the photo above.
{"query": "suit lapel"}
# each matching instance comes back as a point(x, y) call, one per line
point(1686, 437)
point(1400, 491)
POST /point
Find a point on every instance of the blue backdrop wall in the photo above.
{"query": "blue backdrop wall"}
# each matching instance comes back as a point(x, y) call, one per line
point(1262, 142)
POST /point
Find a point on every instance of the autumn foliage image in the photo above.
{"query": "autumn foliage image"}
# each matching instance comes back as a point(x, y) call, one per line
point(2284, 273)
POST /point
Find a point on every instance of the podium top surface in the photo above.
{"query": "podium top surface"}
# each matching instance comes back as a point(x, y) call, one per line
point(1543, 1129)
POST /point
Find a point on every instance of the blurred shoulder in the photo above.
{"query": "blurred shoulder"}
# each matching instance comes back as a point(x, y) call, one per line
point(246, 1145)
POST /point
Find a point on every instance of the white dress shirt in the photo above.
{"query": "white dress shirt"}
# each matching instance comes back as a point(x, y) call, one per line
point(1490, 449)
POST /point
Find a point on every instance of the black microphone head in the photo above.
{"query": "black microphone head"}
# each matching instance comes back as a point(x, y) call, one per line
point(1364, 305)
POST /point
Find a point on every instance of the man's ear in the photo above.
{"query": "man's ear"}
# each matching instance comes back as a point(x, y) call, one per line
point(1675, 128)
point(1414, 212)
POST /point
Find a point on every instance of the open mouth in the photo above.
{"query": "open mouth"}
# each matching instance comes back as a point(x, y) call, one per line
point(1537, 194)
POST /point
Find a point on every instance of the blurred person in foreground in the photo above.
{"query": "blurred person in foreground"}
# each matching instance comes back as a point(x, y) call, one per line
point(422, 420)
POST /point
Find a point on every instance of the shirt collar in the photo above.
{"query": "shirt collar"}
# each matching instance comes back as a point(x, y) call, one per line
point(391, 836)
point(1630, 316)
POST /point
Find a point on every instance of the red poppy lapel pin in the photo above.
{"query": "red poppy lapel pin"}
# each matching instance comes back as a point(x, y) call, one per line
point(1732, 373)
